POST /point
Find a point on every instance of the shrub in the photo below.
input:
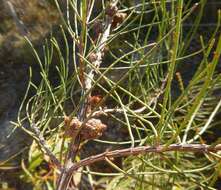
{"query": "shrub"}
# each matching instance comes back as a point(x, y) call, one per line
point(120, 75)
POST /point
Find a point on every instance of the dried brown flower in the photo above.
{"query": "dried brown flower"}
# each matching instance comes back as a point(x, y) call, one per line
point(93, 129)
point(118, 19)
point(72, 126)
point(111, 10)
point(94, 100)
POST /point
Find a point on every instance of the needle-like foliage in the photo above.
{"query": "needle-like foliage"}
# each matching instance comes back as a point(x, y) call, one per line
point(119, 68)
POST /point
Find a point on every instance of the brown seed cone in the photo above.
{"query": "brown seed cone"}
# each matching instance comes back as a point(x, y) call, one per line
point(118, 19)
point(94, 100)
point(72, 127)
point(93, 129)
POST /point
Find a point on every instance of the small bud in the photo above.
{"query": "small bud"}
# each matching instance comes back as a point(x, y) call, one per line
point(98, 27)
point(118, 19)
point(111, 10)
point(67, 121)
point(73, 127)
point(93, 129)
point(92, 57)
point(94, 100)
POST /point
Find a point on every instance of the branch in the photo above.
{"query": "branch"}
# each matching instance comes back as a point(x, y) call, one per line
point(98, 55)
point(143, 150)
point(86, 92)
point(41, 141)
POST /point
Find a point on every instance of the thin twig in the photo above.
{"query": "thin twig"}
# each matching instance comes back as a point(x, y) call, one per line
point(41, 141)
point(143, 150)
point(161, 91)
point(139, 110)
point(140, 150)
point(106, 111)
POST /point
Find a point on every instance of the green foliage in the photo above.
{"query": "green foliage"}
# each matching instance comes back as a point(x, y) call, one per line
point(136, 77)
